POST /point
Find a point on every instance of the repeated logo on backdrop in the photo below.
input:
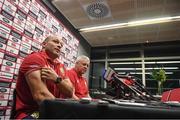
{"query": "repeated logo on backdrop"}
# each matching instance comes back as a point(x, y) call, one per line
point(23, 26)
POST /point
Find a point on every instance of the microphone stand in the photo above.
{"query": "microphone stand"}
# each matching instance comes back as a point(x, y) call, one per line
point(143, 87)
point(140, 86)
point(133, 89)
point(119, 79)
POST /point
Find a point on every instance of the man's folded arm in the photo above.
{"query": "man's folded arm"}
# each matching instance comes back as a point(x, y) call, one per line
point(38, 87)
point(66, 87)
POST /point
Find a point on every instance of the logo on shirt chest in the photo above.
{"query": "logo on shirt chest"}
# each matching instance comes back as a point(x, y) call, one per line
point(62, 71)
point(81, 82)
point(77, 81)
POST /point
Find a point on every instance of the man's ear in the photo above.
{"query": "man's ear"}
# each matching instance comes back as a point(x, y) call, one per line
point(43, 44)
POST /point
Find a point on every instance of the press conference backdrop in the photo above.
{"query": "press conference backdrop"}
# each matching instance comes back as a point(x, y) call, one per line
point(23, 26)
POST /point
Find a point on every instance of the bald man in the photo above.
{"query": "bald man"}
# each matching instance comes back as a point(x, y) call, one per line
point(41, 76)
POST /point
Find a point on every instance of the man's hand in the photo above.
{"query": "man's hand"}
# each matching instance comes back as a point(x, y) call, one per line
point(65, 85)
point(48, 74)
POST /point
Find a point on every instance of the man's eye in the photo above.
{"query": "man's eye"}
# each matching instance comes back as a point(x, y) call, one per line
point(56, 41)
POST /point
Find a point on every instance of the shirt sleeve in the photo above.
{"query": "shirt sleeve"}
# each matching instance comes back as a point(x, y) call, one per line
point(31, 63)
point(71, 76)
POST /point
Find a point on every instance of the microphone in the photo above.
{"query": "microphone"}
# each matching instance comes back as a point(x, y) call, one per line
point(125, 76)
point(120, 80)
point(126, 81)
point(133, 88)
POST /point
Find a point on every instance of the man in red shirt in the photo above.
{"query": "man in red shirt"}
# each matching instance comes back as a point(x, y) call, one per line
point(78, 81)
point(41, 76)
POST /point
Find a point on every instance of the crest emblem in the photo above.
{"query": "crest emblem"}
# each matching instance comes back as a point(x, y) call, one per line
point(62, 71)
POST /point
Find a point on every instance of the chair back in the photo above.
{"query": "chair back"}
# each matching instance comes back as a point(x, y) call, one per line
point(171, 95)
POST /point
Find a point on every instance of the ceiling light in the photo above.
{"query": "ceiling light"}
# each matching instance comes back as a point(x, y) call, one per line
point(165, 68)
point(149, 21)
point(131, 24)
point(148, 73)
point(119, 63)
point(104, 27)
point(160, 62)
point(122, 73)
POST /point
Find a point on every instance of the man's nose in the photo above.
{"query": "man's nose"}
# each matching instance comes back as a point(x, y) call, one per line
point(86, 66)
point(59, 45)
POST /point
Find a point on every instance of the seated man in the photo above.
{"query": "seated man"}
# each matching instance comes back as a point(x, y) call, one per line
point(41, 76)
point(79, 82)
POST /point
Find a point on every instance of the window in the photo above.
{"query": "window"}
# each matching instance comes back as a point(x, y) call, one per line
point(172, 69)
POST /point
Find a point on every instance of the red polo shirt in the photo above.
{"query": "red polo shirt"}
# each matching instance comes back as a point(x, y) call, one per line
point(35, 61)
point(79, 82)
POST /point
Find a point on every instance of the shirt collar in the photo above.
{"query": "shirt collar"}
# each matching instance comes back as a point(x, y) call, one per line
point(48, 58)
point(80, 76)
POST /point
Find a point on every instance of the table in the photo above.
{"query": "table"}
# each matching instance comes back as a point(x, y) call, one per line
point(51, 109)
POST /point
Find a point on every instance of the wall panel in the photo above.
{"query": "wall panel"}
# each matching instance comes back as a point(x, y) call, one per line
point(23, 26)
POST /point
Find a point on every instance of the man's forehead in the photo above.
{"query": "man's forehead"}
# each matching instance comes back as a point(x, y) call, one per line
point(56, 37)
point(84, 61)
